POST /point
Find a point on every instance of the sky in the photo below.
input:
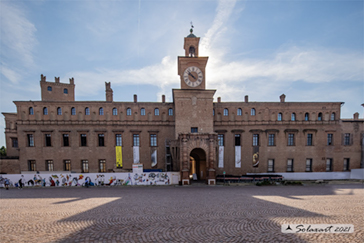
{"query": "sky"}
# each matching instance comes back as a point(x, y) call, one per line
point(309, 50)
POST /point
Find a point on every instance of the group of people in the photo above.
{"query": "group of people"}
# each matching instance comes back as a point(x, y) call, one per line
point(7, 183)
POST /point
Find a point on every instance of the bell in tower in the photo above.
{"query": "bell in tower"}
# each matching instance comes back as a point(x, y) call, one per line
point(191, 44)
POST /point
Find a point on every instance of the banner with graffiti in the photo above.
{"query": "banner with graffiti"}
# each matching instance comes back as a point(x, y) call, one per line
point(237, 156)
point(119, 156)
point(255, 156)
point(136, 154)
point(154, 157)
point(221, 156)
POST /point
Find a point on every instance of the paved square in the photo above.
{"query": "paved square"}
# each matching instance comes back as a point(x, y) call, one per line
point(179, 214)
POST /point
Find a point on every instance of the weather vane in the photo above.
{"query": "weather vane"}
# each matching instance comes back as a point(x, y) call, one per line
point(191, 30)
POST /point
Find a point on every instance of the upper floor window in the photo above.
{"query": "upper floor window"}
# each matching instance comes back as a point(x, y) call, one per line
point(45, 111)
point(49, 88)
point(30, 138)
point(31, 111)
point(332, 118)
point(101, 111)
point(170, 112)
point(66, 141)
point(114, 111)
point(279, 118)
point(153, 140)
point(194, 129)
point(156, 112)
point(307, 116)
point(271, 139)
point(14, 142)
point(101, 140)
point(239, 112)
point(290, 139)
point(65, 91)
point(128, 112)
point(309, 139)
point(347, 140)
point(118, 140)
point(87, 111)
point(252, 112)
point(319, 117)
point(142, 112)
point(83, 140)
point(226, 112)
point(237, 140)
point(330, 139)
point(48, 140)
point(221, 139)
point(73, 111)
point(293, 116)
point(136, 140)
point(255, 139)
point(59, 111)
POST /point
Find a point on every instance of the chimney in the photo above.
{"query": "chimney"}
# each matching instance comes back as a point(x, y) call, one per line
point(218, 99)
point(246, 99)
point(356, 116)
point(163, 99)
point(283, 98)
point(108, 91)
point(135, 98)
point(56, 79)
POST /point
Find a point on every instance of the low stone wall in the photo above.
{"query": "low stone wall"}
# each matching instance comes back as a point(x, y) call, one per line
point(357, 174)
point(9, 166)
point(316, 175)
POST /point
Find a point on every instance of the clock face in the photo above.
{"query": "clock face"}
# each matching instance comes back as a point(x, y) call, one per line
point(193, 76)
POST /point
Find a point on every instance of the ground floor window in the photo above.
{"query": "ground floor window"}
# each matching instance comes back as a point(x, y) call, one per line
point(270, 165)
point(49, 165)
point(102, 165)
point(329, 164)
point(346, 164)
point(67, 165)
point(32, 165)
point(85, 166)
point(290, 165)
point(308, 165)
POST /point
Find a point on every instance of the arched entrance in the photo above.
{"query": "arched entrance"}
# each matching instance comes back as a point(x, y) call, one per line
point(197, 165)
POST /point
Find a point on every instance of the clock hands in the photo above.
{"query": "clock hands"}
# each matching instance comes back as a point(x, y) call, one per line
point(191, 75)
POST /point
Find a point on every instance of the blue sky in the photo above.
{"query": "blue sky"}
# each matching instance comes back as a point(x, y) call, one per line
point(308, 50)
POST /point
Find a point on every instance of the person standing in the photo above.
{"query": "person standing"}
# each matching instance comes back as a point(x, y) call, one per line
point(6, 182)
point(21, 183)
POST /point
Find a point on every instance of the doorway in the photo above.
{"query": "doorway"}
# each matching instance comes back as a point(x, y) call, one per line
point(197, 165)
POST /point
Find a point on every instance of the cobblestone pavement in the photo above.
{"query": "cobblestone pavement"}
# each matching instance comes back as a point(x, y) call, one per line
point(179, 214)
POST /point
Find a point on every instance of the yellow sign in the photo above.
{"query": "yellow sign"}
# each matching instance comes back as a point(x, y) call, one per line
point(119, 156)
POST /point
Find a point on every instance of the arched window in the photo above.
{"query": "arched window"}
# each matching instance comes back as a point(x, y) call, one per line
point(45, 111)
point(170, 112)
point(87, 111)
point(239, 112)
point(226, 112)
point(101, 111)
point(31, 111)
point(156, 112)
point(293, 116)
point(279, 118)
point(49, 88)
point(307, 116)
point(332, 118)
point(65, 91)
point(73, 111)
point(252, 112)
point(128, 112)
point(59, 111)
point(319, 117)
point(142, 112)
point(114, 111)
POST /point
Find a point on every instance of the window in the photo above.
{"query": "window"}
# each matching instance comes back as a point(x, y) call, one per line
point(73, 111)
point(114, 111)
point(213, 112)
point(156, 112)
point(84, 166)
point(101, 111)
point(153, 140)
point(279, 118)
point(67, 165)
point(31, 111)
point(45, 111)
point(270, 165)
point(308, 165)
point(194, 129)
point(118, 140)
point(290, 165)
point(14, 142)
point(290, 139)
point(66, 141)
point(102, 165)
point(293, 116)
point(332, 118)
point(142, 112)
point(83, 140)
point(319, 117)
point(49, 165)
point(346, 164)
point(226, 112)
point(65, 91)
point(87, 111)
point(255, 139)
point(329, 164)
point(307, 116)
point(101, 140)
point(30, 140)
point(330, 139)
point(221, 139)
point(170, 112)
point(347, 139)
point(309, 139)
point(128, 112)
point(49, 88)
point(32, 165)
point(271, 140)
point(237, 140)
point(59, 111)
point(48, 140)
point(252, 112)
point(239, 112)
point(136, 140)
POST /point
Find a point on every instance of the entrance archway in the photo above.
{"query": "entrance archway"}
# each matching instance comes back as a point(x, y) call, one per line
point(197, 165)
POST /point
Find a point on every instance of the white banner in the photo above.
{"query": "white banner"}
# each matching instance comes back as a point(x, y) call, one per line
point(154, 158)
point(136, 154)
point(221, 156)
point(237, 156)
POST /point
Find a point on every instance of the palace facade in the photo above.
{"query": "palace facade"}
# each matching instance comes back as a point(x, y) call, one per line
point(192, 134)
